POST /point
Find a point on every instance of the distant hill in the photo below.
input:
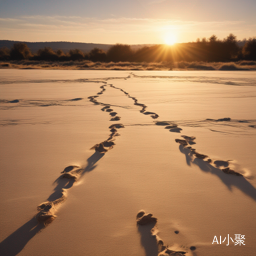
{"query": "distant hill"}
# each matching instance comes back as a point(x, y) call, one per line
point(64, 46)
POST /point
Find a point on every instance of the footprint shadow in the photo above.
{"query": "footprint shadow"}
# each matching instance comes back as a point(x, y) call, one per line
point(229, 180)
point(15, 242)
point(187, 154)
point(91, 161)
point(147, 240)
point(60, 184)
point(65, 183)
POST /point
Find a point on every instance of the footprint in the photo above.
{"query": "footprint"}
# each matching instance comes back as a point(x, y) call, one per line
point(225, 119)
point(143, 109)
point(92, 99)
point(177, 129)
point(76, 99)
point(189, 139)
point(221, 163)
point(72, 172)
point(139, 104)
point(116, 118)
point(100, 148)
point(13, 101)
point(108, 143)
point(117, 126)
point(229, 171)
point(171, 126)
point(46, 210)
point(182, 142)
point(113, 113)
point(162, 123)
point(144, 219)
point(198, 155)
point(106, 107)
point(155, 116)
point(149, 113)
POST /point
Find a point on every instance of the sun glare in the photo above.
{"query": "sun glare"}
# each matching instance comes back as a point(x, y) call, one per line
point(170, 39)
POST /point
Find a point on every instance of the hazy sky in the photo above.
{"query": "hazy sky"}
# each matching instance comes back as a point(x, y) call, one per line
point(131, 22)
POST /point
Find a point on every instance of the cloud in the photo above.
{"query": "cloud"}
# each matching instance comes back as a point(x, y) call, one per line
point(81, 21)
point(147, 29)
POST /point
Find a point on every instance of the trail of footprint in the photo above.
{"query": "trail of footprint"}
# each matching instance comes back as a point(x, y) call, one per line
point(71, 174)
point(106, 106)
point(172, 127)
point(168, 125)
point(219, 164)
point(143, 106)
point(108, 144)
point(146, 219)
point(47, 210)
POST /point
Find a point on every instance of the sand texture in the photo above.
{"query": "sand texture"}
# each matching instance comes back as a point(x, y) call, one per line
point(84, 151)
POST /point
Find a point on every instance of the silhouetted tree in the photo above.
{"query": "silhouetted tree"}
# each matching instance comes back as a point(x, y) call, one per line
point(231, 47)
point(204, 40)
point(97, 54)
point(4, 53)
point(213, 39)
point(120, 52)
point(61, 55)
point(76, 54)
point(249, 49)
point(20, 51)
point(214, 49)
point(46, 54)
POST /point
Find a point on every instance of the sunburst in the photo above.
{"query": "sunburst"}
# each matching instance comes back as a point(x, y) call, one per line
point(170, 39)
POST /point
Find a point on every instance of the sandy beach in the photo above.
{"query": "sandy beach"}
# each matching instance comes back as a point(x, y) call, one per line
point(84, 151)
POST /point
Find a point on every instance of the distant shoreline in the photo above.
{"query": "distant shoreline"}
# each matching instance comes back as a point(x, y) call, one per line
point(89, 65)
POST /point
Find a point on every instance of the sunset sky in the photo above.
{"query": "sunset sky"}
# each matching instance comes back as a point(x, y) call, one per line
point(131, 22)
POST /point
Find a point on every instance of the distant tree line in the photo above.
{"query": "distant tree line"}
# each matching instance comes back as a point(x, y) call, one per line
point(210, 50)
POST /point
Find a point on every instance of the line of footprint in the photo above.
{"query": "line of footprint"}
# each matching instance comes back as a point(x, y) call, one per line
point(168, 125)
point(47, 210)
point(143, 106)
point(143, 219)
point(107, 107)
point(108, 144)
point(222, 165)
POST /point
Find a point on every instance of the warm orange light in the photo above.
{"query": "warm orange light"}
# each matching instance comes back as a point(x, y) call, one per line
point(170, 39)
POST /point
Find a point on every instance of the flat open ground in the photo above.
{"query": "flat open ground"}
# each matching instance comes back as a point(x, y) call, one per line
point(48, 123)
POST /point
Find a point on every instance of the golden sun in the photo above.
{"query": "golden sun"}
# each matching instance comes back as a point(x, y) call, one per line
point(170, 39)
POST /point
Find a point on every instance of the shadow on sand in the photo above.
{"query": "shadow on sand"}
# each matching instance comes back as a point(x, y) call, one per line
point(229, 180)
point(68, 183)
point(147, 240)
point(15, 242)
